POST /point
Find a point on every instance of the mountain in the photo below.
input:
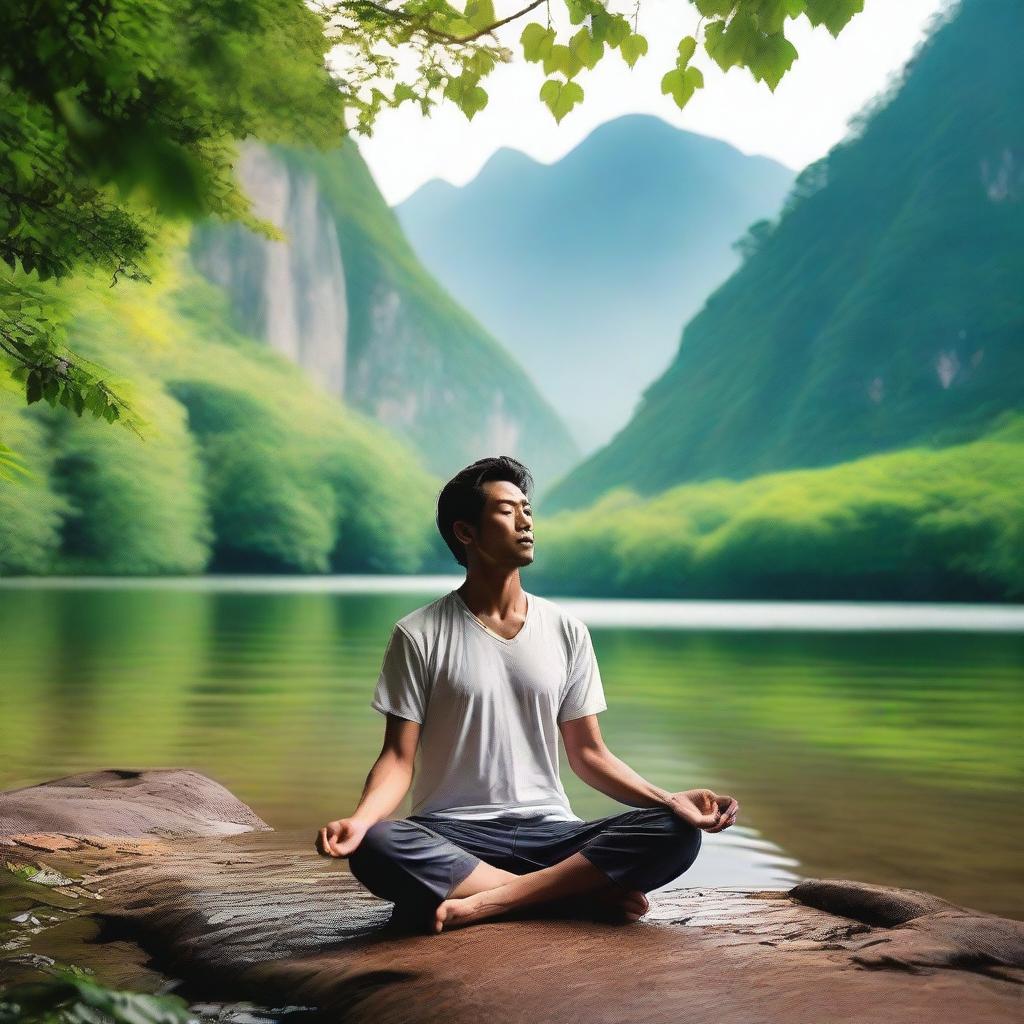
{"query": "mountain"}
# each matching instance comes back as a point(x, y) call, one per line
point(884, 307)
point(345, 297)
point(584, 269)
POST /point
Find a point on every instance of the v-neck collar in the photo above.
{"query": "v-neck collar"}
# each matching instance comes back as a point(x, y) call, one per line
point(460, 601)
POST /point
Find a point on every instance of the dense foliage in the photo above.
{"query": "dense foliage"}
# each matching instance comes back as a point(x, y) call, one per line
point(920, 524)
point(115, 114)
point(73, 995)
point(258, 471)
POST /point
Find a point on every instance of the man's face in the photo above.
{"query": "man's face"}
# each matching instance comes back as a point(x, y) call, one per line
point(506, 521)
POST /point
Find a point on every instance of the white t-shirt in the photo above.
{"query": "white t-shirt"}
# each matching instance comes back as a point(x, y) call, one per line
point(489, 706)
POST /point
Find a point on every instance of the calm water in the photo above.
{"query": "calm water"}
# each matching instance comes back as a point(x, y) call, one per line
point(875, 742)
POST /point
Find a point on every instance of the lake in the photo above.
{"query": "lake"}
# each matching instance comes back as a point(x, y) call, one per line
point(869, 741)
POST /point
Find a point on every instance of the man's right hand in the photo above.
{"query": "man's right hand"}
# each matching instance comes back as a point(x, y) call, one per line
point(340, 838)
point(705, 809)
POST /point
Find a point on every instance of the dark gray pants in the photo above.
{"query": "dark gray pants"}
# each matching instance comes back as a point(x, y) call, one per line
point(417, 861)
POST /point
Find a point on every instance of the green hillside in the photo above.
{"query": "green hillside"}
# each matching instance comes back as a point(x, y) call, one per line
point(920, 524)
point(885, 308)
point(414, 359)
point(244, 464)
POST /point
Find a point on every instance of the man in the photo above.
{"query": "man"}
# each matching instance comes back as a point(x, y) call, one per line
point(474, 686)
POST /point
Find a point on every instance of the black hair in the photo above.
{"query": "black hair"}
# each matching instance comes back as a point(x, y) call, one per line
point(463, 496)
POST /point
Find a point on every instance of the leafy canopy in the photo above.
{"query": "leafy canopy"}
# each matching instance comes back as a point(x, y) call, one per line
point(422, 51)
point(116, 114)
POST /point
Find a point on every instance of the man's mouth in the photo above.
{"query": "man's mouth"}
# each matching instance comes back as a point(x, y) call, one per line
point(525, 540)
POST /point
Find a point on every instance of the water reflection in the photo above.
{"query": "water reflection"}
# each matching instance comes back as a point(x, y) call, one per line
point(857, 749)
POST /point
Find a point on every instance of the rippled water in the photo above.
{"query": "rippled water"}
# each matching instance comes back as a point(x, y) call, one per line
point(879, 742)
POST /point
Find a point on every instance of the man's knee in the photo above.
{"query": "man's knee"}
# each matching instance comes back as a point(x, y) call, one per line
point(373, 851)
point(686, 841)
point(689, 838)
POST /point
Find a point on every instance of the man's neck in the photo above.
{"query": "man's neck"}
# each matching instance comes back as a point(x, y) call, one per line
point(496, 598)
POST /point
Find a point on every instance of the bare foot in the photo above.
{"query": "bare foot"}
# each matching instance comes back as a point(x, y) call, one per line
point(617, 904)
point(611, 903)
point(458, 912)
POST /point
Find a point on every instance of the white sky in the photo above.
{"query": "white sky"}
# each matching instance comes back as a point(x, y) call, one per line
point(830, 80)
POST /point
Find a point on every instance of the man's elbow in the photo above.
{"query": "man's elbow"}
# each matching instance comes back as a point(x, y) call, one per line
point(586, 759)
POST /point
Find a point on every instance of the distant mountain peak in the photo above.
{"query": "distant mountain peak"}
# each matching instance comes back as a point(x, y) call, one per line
point(881, 309)
point(607, 250)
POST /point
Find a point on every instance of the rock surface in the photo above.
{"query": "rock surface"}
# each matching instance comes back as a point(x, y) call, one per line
point(170, 862)
point(169, 802)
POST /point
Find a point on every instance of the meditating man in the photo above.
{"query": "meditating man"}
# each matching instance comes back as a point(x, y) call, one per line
point(476, 687)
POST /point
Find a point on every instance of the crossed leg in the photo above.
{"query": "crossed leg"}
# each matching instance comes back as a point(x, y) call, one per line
point(397, 861)
point(477, 897)
point(616, 902)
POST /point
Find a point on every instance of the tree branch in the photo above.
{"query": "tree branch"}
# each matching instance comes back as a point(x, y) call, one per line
point(433, 33)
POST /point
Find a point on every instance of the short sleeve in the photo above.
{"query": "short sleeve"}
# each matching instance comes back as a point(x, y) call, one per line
point(401, 686)
point(584, 692)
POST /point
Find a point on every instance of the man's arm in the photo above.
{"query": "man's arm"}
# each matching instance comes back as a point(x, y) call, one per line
point(391, 774)
point(599, 768)
point(386, 786)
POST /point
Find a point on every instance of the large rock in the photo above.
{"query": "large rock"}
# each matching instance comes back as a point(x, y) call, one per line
point(244, 911)
point(167, 802)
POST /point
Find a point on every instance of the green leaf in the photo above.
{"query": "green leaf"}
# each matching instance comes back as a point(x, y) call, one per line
point(537, 41)
point(687, 48)
point(577, 10)
point(480, 13)
point(95, 401)
point(833, 14)
point(612, 29)
point(560, 97)
point(774, 59)
point(771, 15)
point(473, 101)
point(735, 43)
point(562, 58)
point(33, 387)
point(714, 8)
point(680, 83)
point(633, 48)
point(22, 164)
point(51, 389)
point(403, 92)
point(588, 49)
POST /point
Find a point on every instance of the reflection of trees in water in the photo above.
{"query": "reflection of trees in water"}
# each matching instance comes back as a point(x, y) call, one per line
point(856, 753)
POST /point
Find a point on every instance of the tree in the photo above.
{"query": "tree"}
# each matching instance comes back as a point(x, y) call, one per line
point(115, 114)
point(453, 50)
